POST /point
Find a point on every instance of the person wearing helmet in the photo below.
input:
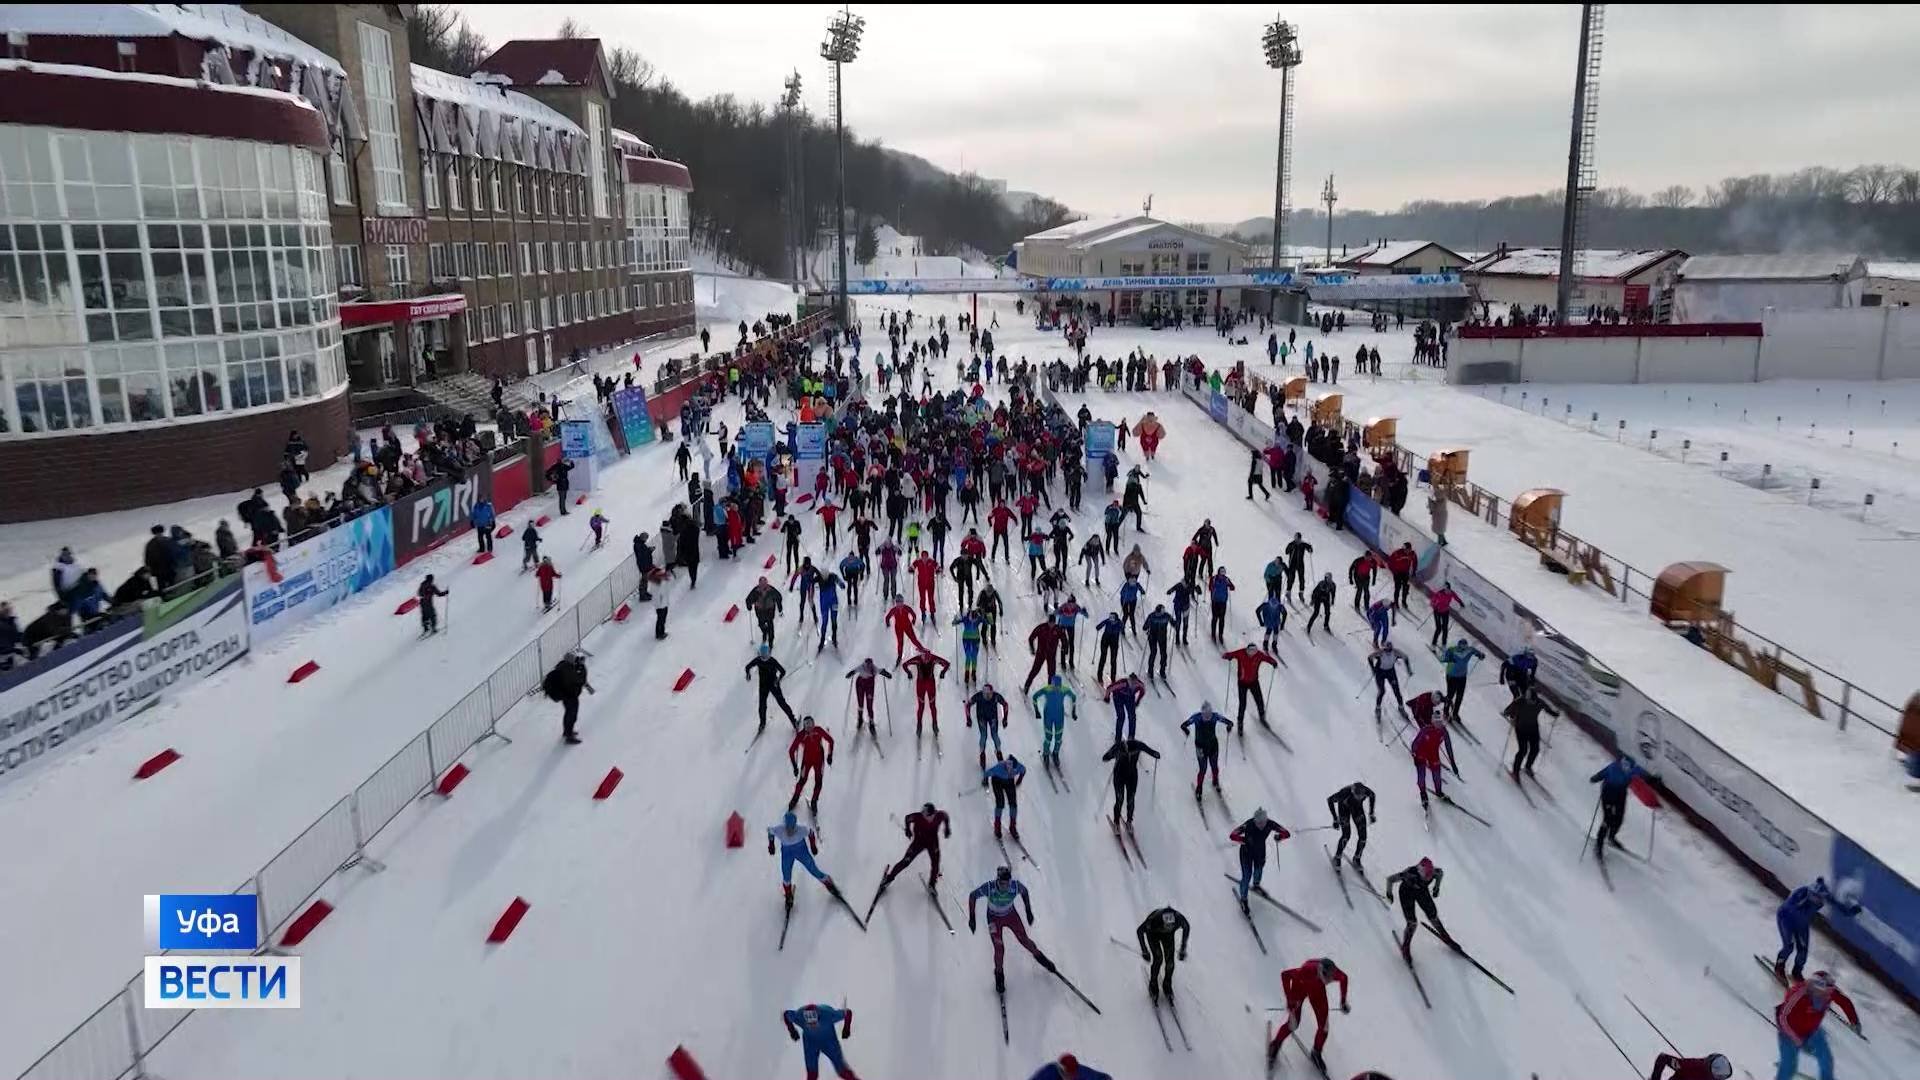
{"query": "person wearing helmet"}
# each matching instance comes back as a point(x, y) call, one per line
point(1155, 935)
point(797, 843)
point(1614, 781)
point(814, 748)
point(1307, 984)
point(1320, 604)
point(766, 604)
point(1206, 744)
point(812, 1026)
point(429, 616)
point(1419, 885)
point(1050, 704)
point(1710, 1067)
point(1066, 1066)
point(1798, 1020)
point(1252, 837)
point(1794, 918)
point(924, 828)
point(771, 672)
point(598, 523)
point(1001, 893)
point(1517, 671)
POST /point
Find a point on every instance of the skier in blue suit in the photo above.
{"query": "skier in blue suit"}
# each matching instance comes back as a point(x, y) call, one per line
point(812, 1027)
point(1795, 920)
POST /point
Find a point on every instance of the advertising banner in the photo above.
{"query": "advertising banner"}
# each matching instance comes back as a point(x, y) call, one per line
point(1483, 607)
point(1100, 439)
point(1217, 407)
point(1363, 517)
point(1888, 930)
point(810, 454)
point(756, 440)
point(309, 578)
point(636, 423)
point(118, 673)
point(437, 513)
point(576, 445)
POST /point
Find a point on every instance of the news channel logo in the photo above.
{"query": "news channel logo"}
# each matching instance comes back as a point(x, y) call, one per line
point(184, 924)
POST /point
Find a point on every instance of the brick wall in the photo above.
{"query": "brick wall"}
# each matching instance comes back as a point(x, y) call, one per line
point(508, 357)
point(89, 474)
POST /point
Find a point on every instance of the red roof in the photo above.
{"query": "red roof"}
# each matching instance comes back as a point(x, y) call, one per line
point(644, 170)
point(551, 62)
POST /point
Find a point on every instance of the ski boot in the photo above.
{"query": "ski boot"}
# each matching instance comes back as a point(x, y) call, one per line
point(1406, 948)
point(1197, 790)
point(1780, 971)
point(983, 761)
point(813, 807)
point(1167, 990)
point(1273, 1053)
point(1244, 909)
point(1153, 991)
point(1318, 1061)
point(1013, 830)
point(787, 892)
point(999, 981)
point(996, 828)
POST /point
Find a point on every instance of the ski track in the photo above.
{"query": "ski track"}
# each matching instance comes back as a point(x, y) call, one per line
point(645, 932)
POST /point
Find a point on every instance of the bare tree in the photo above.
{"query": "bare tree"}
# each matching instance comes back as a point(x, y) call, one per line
point(1674, 197)
point(1908, 189)
point(1872, 185)
point(440, 37)
point(571, 28)
point(629, 70)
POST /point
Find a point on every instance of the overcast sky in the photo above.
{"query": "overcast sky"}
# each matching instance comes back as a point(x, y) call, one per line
point(1098, 106)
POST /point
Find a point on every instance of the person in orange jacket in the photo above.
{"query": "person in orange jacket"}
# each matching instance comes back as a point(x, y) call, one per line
point(1307, 984)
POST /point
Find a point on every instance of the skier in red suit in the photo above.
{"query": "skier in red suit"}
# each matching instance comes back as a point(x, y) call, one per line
point(814, 748)
point(1307, 984)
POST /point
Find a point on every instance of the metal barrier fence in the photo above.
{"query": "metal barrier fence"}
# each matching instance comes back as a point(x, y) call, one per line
point(114, 1041)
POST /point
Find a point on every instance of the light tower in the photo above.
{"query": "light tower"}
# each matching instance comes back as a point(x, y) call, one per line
point(796, 201)
point(1282, 47)
point(1328, 196)
point(1581, 176)
point(841, 46)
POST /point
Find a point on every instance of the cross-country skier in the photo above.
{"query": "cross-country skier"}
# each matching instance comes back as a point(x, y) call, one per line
point(1092, 554)
point(1218, 586)
point(1442, 601)
point(1206, 743)
point(1524, 711)
point(1110, 521)
point(1304, 985)
point(969, 624)
point(1271, 614)
point(924, 828)
point(1458, 659)
point(1050, 706)
point(1419, 885)
point(1710, 1067)
point(863, 675)
point(1000, 894)
point(1296, 552)
point(1425, 749)
point(829, 610)
point(812, 1027)
point(1794, 918)
point(771, 672)
point(1798, 1018)
point(924, 571)
point(1125, 755)
point(598, 523)
point(988, 605)
point(808, 579)
point(1247, 661)
point(1360, 575)
point(529, 547)
point(1206, 536)
point(1066, 1066)
point(964, 569)
point(1125, 695)
point(1109, 631)
point(791, 530)
point(1183, 593)
point(814, 747)
point(766, 603)
point(1353, 809)
point(1380, 619)
point(1067, 616)
point(548, 574)
point(1158, 624)
point(853, 570)
point(1517, 671)
point(923, 667)
point(1321, 604)
point(1614, 780)
point(1044, 643)
point(987, 710)
point(1004, 778)
point(1382, 661)
point(796, 843)
point(900, 619)
point(429, 616)
point(1155, 934)
point(1401, 563)
point(1252, 835)
point(1130, 593)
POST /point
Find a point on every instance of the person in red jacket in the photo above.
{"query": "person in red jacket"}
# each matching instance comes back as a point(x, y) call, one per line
point(924, 570)
point(1044, 644)
point(1247, 661)
point(923, 827)
point(548, 574)
point(925, 667)
point(1307, 984)
point(1001, 518)
point(829, 518)
point(1026, 504)
point(972, 545)
point(1798, 1018)
point(815, 749)
point(1443, 603)
point(900, 618)
point(1426, 757)
point(863, 675)
point(1711, 1067)
point(1401, 564)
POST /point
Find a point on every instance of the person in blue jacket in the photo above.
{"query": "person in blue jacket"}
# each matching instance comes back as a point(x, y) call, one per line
point(1517, 671)
point(1130, 594)
point(829, 589)
point(1614, 781)
point(1108, 631)
point(482, 519)
point(1459, 658)
point(1005, 777)
point(1217, 589)
point(1795, 920)
point(1272, 614)
point(1183, 593)
point(1050, 704)
point(1068, 1067)
point(812, 1026)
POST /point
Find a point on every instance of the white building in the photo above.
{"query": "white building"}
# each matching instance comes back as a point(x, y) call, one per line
point(1530, 277)
point(1740, 288)
point(1892, 284)
point(1136, 246)
point(1403, 257)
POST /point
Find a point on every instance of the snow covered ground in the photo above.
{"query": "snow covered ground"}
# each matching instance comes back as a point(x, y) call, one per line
point(645, 932)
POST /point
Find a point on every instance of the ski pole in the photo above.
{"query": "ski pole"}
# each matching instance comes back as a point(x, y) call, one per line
point(1589, 833)
point(1654, 1026)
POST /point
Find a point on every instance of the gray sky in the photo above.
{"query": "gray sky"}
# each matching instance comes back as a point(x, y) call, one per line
point(1097, 106)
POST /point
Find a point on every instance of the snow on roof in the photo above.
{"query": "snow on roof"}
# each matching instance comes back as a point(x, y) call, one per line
point(1389, 252)
point(630, 143)
point(1772, 268)
point(1590, 263)
point(547, 62)
point(85, 72)
point(1903, 271)
point(482, 119)
point(223, 24)
point(1074, 229)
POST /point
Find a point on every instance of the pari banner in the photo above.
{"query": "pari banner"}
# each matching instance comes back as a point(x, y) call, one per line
point(636, 423)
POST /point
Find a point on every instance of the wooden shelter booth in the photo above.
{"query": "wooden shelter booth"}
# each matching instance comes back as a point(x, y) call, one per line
point(1689, 592)
point(1536, 515)
point(1446, 468)
point(1294, 389)
point(1326, 410)
point(1380, 431)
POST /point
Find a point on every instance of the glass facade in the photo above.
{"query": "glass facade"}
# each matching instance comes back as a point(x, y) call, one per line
point(152, 278)
point(657, 237)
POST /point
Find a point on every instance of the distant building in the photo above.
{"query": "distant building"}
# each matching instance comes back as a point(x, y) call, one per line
point(1530, 277)
point(1136, 246)
point(1891, 284)
point(1740, 288)
point(1403, 257)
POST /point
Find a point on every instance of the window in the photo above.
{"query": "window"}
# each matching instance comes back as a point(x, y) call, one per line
point(539, 186)
point(463, 260)
point(546, 313)
point(473, 325)
point(489, 324)
point(526, 258)
point(526, 315)
point(520, 194)
point(507, 328)
point(346, 260)
point(597, 160)
point(397, 265)
point(482, 260)
point(558, 263)
point(502, 263)
point(383, 117)
point(659, 294)
point(453, 185)
point(437, 262)
point(1198, 261)
point(342, 184)
point(473, 180)
point(539, 257)
point(499, 202)
point(430, 182)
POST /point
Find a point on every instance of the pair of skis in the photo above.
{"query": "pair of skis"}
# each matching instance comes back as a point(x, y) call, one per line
point(1268, 897)
point(1006, 1036)
point(1123, 839)
point(840, 897)
point(1468, 957)
point(1177, 1025)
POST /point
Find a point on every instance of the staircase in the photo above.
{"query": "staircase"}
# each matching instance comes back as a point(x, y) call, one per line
point(464, 393)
